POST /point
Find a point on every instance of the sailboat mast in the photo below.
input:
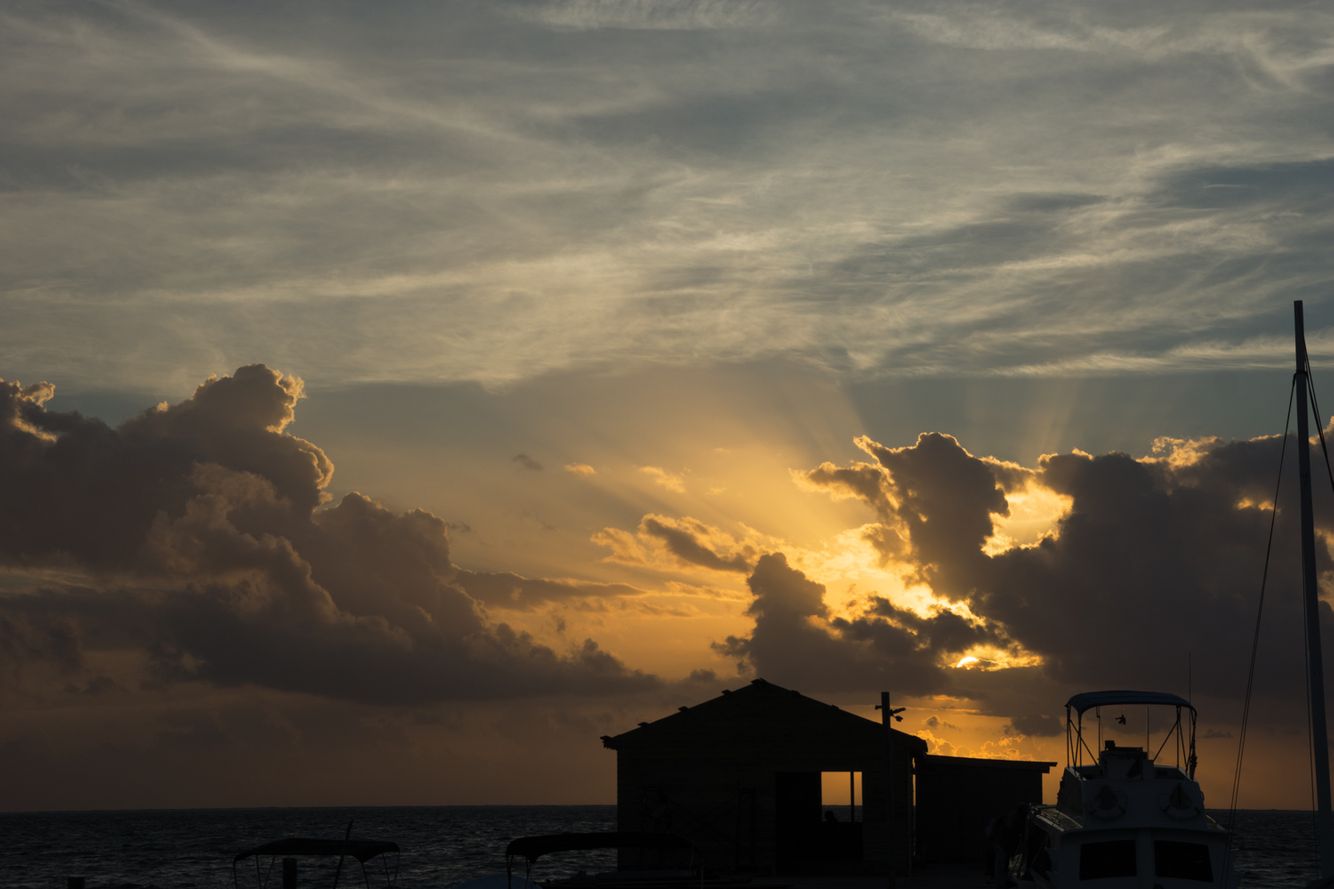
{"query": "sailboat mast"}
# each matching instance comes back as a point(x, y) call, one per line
point(1315, 666)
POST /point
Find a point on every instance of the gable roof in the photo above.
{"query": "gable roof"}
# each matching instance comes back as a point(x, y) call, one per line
point(757, 715)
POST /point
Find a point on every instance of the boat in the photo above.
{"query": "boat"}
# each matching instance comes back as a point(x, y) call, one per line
point(1125, 817)
point(289, 851)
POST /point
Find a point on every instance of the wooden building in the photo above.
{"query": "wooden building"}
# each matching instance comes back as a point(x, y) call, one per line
point(741, 776)
point(957, 796)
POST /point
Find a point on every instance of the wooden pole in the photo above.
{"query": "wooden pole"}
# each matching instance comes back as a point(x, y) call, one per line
point(852, 797)
point(888, 716)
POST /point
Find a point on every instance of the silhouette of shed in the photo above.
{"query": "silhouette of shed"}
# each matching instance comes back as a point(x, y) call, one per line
point(957, 796)
point(740, 776)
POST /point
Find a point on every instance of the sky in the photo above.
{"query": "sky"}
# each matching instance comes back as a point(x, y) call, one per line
point(396, 399)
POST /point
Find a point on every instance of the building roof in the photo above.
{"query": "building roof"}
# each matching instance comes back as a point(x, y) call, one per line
point(977, 762)
point(759, 715)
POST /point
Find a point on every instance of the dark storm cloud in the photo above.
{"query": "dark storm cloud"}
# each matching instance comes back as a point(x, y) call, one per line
point(935, 501)
point(77, 487)
point(1157, 562)
point(1038, 724)
point(794, 642)
point(944, 499)
point(661, 540)
point(205, 529)
point(943, 631)
point(694, 542)
point(1157, 559)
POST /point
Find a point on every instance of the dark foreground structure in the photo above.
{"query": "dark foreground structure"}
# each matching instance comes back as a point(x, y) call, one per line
point(741, 776)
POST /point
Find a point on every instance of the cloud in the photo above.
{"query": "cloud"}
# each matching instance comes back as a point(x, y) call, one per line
point(1035, 724)
point(200, 535)
point(668, 196)
point(943, 631)
point(526, 462)
point(580, 469)
point(1162, 553)
point(56, 463)
point(509, 590)
point(667, 543)
point(935, 501)
point(650, 15)
point(662, 478)
point(795, 642)
point(694, 542)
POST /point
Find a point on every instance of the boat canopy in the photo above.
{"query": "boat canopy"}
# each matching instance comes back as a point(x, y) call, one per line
point(533, 848)
point(1090, 699)
point(361, 850)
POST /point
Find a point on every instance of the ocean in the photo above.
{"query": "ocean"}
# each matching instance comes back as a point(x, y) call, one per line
point(193, 849)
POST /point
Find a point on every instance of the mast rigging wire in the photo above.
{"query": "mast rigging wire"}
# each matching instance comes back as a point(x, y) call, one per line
point(1259, 612)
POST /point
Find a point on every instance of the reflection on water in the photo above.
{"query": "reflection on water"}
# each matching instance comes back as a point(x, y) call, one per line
point(1273, 848)
point(194, 848)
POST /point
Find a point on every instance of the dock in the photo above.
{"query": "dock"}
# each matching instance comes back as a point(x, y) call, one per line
point(944, 876)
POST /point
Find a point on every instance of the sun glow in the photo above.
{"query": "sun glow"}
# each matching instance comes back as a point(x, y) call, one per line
point(851, 568)
point(1035, 515)
point(990, 657)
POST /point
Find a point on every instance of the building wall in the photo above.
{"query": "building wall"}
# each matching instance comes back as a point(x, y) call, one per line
point(956, 800)
point(728, 804)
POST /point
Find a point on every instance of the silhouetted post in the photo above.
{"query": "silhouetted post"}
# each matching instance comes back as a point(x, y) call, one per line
point(888, 716)
point(289, 873)
point(74, 883)
point(1316, 672)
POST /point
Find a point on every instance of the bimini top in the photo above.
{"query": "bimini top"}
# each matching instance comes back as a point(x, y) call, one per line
point(361, 850)
point(1090, 699)
point(533, 848)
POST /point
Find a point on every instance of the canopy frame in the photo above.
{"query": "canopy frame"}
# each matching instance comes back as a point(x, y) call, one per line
point(360, 851)
point(1182, 727)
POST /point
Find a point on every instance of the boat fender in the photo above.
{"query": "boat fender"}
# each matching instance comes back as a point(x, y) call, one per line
point(1180, 804)
point(1107, 803)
